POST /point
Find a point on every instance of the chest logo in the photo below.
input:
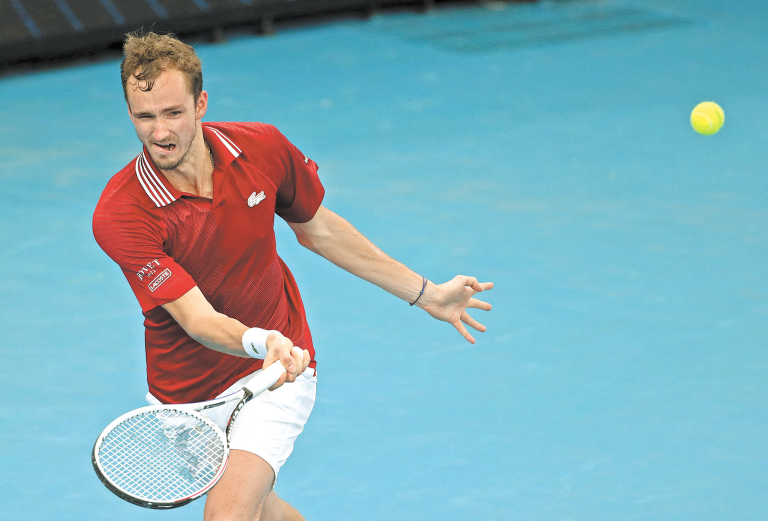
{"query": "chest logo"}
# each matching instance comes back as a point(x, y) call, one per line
point(255, 198)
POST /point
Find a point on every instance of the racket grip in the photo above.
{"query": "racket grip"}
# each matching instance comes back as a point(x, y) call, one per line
point(265, 379)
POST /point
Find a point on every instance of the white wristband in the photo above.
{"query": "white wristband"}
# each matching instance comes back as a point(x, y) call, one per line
point(255, 342)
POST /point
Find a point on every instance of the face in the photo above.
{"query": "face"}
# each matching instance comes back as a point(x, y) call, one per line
point(167, 118)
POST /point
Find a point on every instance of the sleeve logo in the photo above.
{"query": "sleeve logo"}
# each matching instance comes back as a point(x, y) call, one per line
point(164, 275)
point(148, 270)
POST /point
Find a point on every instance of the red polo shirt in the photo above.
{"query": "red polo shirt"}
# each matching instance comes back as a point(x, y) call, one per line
point(167, 242)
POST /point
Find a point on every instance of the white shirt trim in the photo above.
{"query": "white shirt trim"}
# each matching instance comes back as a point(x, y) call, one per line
point(152, 183)
point(227, 142)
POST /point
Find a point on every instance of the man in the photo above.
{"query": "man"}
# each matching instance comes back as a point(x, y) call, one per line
point(190, 222)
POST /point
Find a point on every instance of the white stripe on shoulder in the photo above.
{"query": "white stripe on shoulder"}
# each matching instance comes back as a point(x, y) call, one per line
point(157, 180)
point(152, 195)
point(152, 185)
point(231, 146)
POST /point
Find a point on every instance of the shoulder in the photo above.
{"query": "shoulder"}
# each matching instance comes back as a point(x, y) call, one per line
point(253, 136)
point(123, 198)
point(245, 129)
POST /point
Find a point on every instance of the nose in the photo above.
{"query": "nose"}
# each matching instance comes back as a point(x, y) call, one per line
point(161, 130)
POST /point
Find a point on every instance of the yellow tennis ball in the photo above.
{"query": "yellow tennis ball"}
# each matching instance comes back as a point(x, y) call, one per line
point(707, 118)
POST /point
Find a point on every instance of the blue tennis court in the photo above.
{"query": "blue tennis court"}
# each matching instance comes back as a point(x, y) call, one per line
point(545, 147)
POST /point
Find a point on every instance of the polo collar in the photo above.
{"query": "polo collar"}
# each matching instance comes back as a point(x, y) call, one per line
point(157, 186)
point(223, 148)
point(154, 183)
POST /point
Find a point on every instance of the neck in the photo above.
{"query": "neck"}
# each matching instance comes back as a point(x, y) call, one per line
point(195, 174)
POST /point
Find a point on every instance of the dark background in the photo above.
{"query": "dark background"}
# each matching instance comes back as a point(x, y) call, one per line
point(41, 31)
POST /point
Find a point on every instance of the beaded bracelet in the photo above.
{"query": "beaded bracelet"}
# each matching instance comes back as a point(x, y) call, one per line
point(423, 287)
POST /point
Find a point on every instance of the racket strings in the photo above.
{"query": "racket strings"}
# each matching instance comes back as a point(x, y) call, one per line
point(162, 455)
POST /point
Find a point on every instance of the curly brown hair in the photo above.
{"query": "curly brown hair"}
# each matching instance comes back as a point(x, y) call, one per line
point(149, 54)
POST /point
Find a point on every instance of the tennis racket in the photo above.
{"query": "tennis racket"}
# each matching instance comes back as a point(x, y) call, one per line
point(165, 456)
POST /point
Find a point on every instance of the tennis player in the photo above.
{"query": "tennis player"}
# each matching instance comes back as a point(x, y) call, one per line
point(190, 221)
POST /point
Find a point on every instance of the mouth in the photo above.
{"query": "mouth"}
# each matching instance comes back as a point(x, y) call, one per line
point(170, 147)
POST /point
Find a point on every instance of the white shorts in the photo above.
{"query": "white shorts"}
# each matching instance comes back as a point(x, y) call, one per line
point(270, 423)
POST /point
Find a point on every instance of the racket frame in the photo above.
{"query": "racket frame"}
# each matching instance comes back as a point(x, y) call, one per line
point(259, 383)
point(145, 502)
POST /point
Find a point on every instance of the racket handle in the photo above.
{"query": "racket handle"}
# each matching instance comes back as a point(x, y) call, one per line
point(265, 379)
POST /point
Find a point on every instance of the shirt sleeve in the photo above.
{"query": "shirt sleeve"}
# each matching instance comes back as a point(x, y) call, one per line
point(133, 239)
point(300, 193)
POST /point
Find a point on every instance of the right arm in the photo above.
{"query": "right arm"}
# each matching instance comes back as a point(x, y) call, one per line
point(221, 333)
point(134, 241)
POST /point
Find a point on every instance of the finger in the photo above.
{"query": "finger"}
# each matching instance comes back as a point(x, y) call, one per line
point(478, 304)
point(473, 283)
point(467, 281)
point(471, 322)
point(463, 331)
point(307, 359)
point(287, 358)
point(298, 354)
point(481, 286)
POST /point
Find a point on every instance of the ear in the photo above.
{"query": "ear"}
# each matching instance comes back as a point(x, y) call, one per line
point(202, 105)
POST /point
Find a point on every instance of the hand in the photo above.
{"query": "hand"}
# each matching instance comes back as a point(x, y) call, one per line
point(449, 302)
point(294, 359)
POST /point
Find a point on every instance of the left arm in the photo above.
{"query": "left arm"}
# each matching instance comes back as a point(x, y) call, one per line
point(332, 237)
